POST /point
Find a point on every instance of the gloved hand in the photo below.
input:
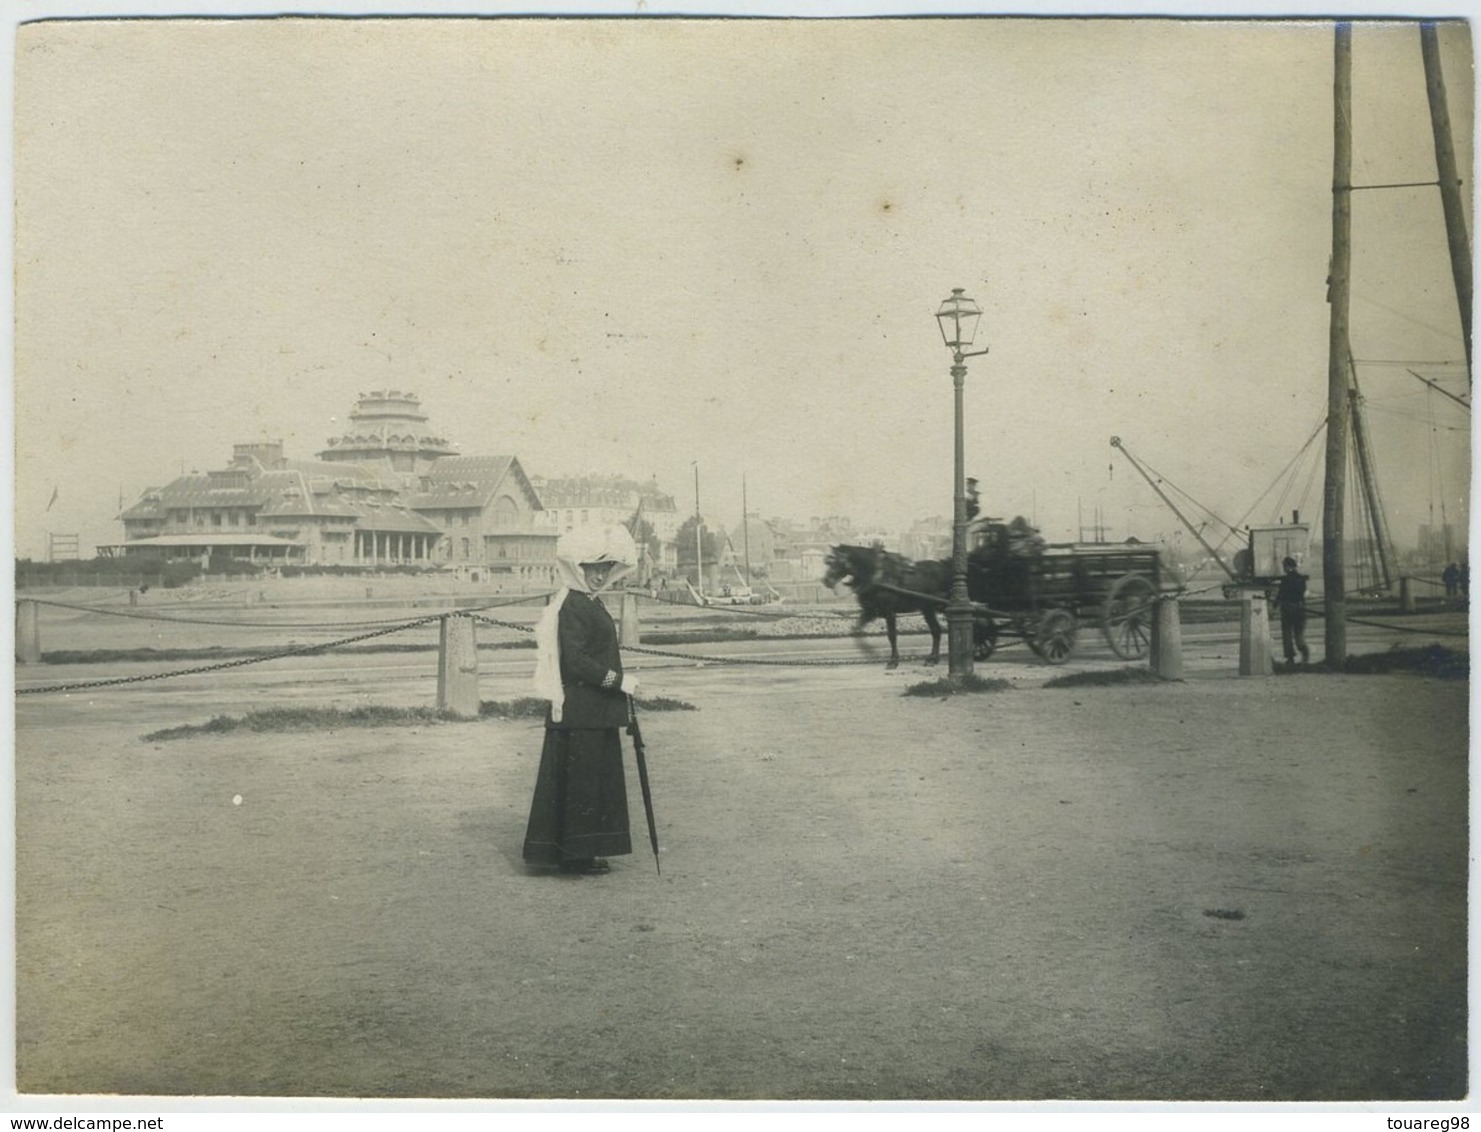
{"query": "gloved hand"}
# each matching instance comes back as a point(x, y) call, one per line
point(630, 685)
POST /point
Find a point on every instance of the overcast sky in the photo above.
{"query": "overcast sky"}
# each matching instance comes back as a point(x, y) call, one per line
point(630, 246)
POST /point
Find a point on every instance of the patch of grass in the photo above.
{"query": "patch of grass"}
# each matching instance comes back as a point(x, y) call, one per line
point(526, 707)
point(664, 703)
point(338, 719)
point(304, 719)
point(1431, 660)
point(529, 707)
point(1110, 678)
point(946, 686)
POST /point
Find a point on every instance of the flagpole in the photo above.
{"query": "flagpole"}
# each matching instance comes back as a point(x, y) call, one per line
point(699, 569)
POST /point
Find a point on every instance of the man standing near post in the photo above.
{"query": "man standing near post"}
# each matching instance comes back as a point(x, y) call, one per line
point(1290, 599)
point(579, 813)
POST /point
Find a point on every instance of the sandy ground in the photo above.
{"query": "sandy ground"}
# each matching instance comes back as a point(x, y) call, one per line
point(1220, 889)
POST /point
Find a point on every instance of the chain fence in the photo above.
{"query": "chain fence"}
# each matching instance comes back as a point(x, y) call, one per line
point(301, 650)
point(239, 624)
point(385, 627)
point(376, 629)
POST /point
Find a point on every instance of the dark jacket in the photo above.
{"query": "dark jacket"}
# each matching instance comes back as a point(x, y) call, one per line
point(588, 652)
point(1290, 595)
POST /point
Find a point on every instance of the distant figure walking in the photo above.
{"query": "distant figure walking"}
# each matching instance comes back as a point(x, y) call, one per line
point(1290, 599)
point(1451, 578)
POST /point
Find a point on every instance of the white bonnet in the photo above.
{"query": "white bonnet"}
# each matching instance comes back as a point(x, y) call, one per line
point(605, 542)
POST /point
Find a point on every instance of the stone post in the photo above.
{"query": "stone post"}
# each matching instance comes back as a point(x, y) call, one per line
point(27, 633)
point(457, 667)
point(628, 630)
point(1406, 595)
point(1167, 639)
point(1254, 635)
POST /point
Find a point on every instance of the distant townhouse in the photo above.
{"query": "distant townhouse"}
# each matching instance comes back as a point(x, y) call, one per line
point(579, 500)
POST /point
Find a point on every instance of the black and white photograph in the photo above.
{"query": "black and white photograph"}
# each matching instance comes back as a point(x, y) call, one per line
point(655, 555)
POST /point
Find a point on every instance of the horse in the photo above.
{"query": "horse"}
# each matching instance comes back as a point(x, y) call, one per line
point(887, 585)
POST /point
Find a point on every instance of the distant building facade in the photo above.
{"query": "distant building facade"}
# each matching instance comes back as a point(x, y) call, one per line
point(388, 492)
point(578, 500)
point(927, 538)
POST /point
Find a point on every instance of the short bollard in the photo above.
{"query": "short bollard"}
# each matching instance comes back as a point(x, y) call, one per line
point(1254, 635)
point(457, 667)
point(1406, 595)
point(628, 630)
point(27, 633)
point(1167, 640)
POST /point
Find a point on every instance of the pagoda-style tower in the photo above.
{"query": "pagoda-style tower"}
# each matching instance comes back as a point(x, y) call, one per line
point(391, 427)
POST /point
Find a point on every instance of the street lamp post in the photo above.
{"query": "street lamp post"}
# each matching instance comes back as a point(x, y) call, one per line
point(958, 319)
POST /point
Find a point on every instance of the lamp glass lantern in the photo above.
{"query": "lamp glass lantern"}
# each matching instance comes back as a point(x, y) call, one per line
point(958, 318)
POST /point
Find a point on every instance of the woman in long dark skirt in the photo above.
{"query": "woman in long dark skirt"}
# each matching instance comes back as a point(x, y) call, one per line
point(579, 814)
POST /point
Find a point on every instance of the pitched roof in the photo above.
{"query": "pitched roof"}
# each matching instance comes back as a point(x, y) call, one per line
point(469, 481)
point(445, 496)
point(379, 517)
point(482, 468)
point(199, 491)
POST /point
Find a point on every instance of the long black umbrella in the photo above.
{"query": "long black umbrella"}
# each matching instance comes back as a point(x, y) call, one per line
point(636, 732)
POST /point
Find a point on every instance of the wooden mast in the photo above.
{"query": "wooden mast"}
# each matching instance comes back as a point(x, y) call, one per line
point(1338, 296)
point(1368, 474)
point(746, 529)
point(1456, 232)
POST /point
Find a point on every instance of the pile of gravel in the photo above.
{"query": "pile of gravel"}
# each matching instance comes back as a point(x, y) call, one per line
point(823, 625)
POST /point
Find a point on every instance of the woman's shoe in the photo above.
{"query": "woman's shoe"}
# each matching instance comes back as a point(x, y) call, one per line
point(585, 866)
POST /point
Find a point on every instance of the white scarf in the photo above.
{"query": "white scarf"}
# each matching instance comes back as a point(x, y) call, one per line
point(548, 655)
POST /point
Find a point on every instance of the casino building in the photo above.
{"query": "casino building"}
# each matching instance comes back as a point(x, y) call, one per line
point(388, 492)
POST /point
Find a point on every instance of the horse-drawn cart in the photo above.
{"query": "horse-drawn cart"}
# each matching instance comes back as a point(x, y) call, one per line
point(1042, 593)
point(1019, 586)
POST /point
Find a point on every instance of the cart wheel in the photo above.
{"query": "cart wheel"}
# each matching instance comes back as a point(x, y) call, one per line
point(984, 638)
point(1127, 619)
point(1054, 639)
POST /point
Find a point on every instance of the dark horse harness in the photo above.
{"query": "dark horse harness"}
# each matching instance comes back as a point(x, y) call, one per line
point(887, 585)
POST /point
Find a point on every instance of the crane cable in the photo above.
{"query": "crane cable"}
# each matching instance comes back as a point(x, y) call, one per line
point(1162, 479)
point(1286, 473)
point(1290, 473)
